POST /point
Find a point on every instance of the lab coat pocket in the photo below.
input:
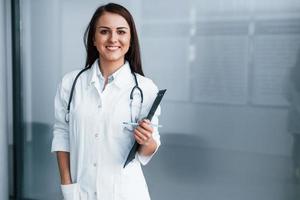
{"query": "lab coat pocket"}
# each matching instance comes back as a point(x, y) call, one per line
point(73, 192)
point(70, 191)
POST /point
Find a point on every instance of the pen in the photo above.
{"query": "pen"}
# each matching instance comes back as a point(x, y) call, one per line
point(135, 124)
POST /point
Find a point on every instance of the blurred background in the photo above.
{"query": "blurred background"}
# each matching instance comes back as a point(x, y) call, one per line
point(231, 116)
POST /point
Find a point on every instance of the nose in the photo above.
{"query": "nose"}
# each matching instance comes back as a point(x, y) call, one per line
point(113, 37)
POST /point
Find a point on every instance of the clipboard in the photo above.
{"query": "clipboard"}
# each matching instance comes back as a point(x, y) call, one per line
point(154, 106)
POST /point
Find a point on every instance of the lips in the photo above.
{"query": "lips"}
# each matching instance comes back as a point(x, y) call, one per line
point(112, 48)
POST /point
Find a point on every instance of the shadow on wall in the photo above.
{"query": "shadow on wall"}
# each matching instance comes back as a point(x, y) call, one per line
point(179, 155)
point(185, 169)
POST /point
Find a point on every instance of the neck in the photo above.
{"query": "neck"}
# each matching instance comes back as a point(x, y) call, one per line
point(108, 68)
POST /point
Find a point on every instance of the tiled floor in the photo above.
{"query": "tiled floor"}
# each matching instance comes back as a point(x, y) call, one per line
point(178, 172)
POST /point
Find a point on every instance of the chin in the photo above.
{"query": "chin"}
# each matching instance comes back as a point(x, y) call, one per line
point(113, 59)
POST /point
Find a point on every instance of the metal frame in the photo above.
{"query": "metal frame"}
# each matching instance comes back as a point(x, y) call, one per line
point(18, 134)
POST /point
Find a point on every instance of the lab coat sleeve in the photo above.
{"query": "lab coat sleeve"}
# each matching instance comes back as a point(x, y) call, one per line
point(142, 158)
point(60, 140)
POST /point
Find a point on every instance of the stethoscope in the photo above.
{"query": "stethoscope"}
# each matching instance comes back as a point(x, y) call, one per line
point(135, 88)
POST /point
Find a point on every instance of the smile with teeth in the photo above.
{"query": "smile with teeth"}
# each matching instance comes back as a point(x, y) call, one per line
point(112, 48)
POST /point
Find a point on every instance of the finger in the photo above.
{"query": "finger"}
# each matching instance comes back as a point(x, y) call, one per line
point(141, 135)
point(138, 139)
point(146, 126)
point(147, 121)
point(145, 132)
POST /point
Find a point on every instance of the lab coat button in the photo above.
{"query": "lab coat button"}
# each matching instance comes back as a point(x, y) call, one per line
point(97, 135)
point(95, 193)
point(99, 106)
point(95, 164)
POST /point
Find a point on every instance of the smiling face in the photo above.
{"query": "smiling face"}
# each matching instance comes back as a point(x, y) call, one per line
point(112, 38)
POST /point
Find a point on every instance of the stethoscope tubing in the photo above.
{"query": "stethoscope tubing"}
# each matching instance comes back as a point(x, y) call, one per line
point(136, 87)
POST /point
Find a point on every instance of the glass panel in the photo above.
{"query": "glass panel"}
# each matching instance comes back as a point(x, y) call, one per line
point(231, 114)
point(41, 71)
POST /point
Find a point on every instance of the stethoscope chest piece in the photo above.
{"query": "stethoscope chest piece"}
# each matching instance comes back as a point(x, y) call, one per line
point(67, 117)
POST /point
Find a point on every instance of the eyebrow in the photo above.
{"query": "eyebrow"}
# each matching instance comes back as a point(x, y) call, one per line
point(110, 28)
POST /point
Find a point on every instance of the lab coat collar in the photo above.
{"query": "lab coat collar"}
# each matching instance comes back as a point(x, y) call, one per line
point(121, 78)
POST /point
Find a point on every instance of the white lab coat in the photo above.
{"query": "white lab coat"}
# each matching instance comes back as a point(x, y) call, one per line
point(96, 139)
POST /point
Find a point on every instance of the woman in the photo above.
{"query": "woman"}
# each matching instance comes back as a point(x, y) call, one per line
point(91, 142)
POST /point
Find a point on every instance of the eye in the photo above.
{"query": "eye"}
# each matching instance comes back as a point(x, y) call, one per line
point(103, 31)
point(121, 32)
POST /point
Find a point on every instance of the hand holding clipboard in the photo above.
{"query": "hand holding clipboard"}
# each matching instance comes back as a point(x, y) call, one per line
point(154, 106)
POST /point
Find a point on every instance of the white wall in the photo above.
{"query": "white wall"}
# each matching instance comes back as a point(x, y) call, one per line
point(3, 105)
